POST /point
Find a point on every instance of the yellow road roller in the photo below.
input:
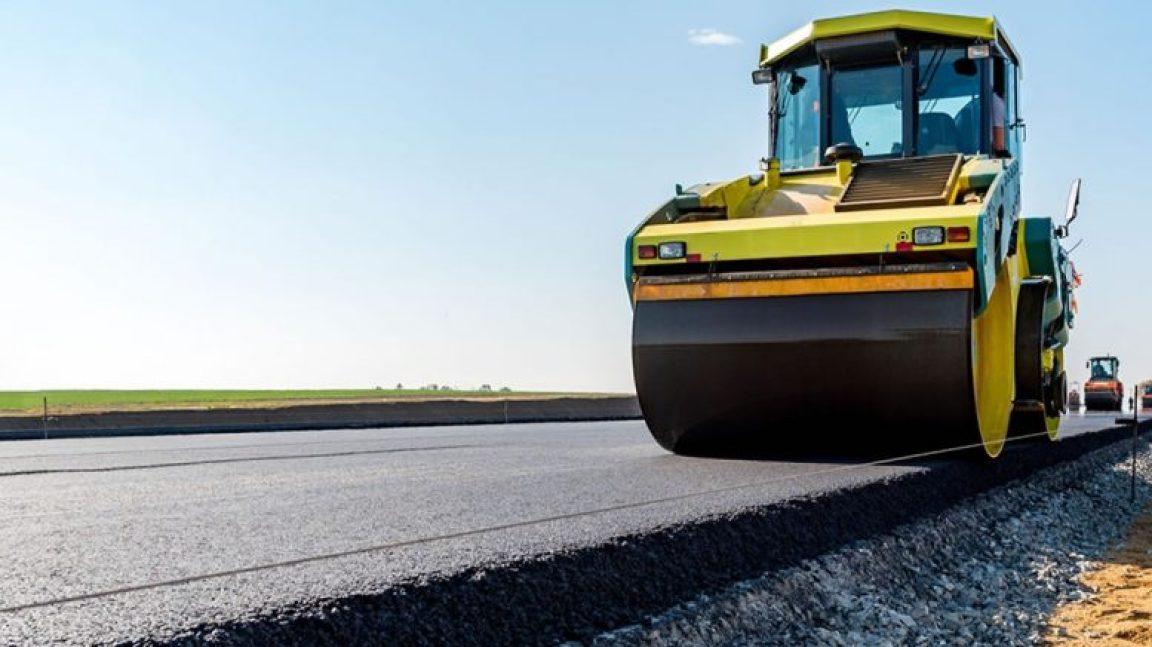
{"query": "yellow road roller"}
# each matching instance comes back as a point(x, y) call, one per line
point(873, 286)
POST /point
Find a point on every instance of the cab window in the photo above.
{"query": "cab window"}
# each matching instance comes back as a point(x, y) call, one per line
point(1004, 131)
point(867, 110)
point(1012, 88)
point(798, 117)
point(1103, 369)
point(948, 108)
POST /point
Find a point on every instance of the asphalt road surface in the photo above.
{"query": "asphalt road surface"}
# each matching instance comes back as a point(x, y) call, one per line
point(108, 539)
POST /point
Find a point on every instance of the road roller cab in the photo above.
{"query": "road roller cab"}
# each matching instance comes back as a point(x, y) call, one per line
point(1104, 391)
point(879, 244)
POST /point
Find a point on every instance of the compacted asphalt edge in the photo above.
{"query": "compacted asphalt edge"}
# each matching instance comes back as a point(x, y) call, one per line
point(579, 593)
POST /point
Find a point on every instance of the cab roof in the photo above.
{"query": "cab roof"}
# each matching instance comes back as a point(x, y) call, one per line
point(974, 27)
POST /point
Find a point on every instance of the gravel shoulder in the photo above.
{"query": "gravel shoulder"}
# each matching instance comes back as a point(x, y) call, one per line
point(988, 571)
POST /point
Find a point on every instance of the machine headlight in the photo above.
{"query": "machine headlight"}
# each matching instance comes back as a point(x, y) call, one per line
point(928, 236)
point(672, 251)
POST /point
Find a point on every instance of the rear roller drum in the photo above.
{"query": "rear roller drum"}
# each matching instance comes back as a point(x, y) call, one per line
point(1057, 395)
point(1040, 378)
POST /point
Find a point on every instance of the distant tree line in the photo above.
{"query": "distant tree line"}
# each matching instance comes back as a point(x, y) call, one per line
point(487, 388)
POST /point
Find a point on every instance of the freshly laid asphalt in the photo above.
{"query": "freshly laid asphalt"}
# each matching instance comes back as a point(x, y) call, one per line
point(121, 539)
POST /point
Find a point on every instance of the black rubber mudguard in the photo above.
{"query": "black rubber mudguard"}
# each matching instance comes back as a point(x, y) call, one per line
point(840, 373)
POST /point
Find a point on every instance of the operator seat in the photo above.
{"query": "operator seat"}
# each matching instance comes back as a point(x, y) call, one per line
point(938, 134)
point(968, 125)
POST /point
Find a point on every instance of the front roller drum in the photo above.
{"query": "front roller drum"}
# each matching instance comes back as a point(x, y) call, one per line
point(1103, 401)
point(829, 373)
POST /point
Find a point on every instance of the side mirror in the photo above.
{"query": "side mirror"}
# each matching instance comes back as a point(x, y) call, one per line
point(1072, 210)
point(965, 67)
point(796, 84)
point(762, 76)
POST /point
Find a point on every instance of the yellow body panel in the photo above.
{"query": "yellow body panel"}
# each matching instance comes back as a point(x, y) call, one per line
point(869, 232)
point(794, 195)
point(795, 215)
point(976, 28)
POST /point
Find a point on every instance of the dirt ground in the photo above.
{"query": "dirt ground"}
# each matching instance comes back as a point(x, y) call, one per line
point(1120, 613)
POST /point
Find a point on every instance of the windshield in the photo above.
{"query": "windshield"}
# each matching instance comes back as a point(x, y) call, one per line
point(1148, 389)
point(798, 117)
point(949, 103)
point(1103, 369)
point(867, 110)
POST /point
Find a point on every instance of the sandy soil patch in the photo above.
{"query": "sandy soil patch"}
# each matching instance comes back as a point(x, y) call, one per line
point(1120, 612)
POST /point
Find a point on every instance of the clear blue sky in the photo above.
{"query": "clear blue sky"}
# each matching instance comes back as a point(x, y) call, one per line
point(282, 194)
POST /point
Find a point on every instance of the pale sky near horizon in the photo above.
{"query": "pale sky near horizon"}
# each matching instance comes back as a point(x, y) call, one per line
point(351, 194)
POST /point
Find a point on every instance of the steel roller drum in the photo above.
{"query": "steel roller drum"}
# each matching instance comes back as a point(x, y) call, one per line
point(830, 373)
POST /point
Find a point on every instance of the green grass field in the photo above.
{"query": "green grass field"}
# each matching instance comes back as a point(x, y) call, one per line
point(110, 400)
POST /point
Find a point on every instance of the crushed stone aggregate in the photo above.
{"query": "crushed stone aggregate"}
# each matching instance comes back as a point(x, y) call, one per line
point(987, 571)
